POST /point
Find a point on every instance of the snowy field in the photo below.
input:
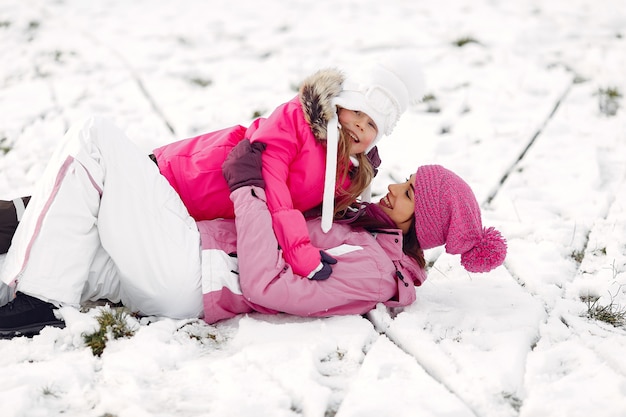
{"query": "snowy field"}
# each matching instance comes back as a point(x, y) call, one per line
point(525, 101)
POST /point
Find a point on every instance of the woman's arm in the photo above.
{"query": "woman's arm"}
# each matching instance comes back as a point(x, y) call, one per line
point(362, 277)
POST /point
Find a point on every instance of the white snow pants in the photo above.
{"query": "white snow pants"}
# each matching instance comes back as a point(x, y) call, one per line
point(104, 223)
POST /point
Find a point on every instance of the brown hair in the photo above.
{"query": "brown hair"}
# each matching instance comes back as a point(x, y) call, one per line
point(411, 246)
point(360, 177)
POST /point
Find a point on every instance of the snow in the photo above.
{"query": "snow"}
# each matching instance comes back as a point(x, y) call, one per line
point(516, 111)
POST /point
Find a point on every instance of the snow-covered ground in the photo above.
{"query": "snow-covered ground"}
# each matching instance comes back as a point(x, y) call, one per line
point(515, 107)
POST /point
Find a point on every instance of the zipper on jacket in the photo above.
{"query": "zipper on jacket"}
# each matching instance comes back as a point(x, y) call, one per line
point(384, 231)
point(401, 277)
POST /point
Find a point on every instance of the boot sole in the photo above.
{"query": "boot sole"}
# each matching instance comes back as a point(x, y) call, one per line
point(29, 330)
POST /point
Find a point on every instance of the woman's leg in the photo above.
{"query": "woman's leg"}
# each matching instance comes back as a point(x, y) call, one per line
point(57, 237)
point(149, 235)
point(103, 214)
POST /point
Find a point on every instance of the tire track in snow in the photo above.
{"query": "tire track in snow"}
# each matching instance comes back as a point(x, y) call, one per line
point(532, 140)
point(383, 328)
point(556, 291)
point(137, 78)
point(380, 325)
point(133, 73)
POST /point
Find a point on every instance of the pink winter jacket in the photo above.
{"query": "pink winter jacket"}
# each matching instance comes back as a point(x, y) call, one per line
point(293, 166)
point(245, 272)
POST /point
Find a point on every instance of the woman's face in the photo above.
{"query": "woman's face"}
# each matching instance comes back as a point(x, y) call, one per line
point(359, 128)
point(399, 203)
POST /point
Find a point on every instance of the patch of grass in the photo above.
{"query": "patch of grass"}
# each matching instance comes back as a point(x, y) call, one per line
point(57, 55)
point(432, 104)
point(610, 92)
point(461, 42)
point(5, 148)
point(578, 255)
point(337, 355)
point(202, 82)
point(199, 331)
point(600, 252)
point(609, 100)
point(515, 402)
point(200, 337)
point(48, 391)
point(111, 325)
point(611, 313)
point(330, 412)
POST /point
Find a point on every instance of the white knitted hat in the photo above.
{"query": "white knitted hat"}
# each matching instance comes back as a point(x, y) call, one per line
point(384, 91)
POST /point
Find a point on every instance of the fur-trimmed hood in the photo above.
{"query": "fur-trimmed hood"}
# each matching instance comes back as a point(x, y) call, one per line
point(316, 96)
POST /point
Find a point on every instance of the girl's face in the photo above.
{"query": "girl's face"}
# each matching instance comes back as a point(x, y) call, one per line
point(399, 203)
point(359, 128)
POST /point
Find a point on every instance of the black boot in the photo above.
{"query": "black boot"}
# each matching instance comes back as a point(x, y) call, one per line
point(10, 216)
point(26, 316)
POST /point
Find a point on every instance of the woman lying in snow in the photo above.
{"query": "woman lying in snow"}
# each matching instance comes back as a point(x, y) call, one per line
point(83, 238)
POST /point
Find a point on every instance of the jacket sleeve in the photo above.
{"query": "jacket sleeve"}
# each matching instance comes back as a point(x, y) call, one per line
point(267, 281)
point(280, 133)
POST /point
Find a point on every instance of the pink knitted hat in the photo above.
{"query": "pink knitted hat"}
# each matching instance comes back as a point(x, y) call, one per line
point(446, 212)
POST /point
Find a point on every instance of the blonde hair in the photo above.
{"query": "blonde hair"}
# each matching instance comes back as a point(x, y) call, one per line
point(360, 177)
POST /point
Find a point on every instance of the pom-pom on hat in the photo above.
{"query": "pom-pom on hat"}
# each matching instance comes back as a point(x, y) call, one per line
point(446, 212)
point(384, 90)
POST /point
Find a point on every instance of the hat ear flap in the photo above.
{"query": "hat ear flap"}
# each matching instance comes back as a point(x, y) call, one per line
point(328, 202)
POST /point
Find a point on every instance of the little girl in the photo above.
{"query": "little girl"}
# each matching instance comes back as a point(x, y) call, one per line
point(320, 146)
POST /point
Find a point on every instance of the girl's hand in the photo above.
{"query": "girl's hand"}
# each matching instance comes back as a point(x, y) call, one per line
point(326, 269)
